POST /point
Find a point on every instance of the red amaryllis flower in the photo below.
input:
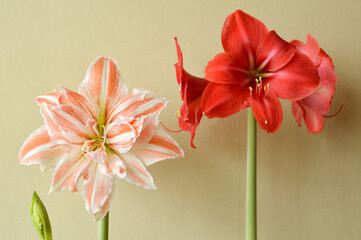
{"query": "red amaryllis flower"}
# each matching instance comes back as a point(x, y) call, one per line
point(256, 69)
point(191, 89)
point(313, 107)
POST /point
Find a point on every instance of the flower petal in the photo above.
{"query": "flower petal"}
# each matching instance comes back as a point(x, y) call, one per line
point(127, 105)
point(46, 112)
point(267, 110)
point(160, 147)
point(297, 79)
point(114, 86)
point(68, 97)
point(191, 90)
point(38, 149)
point(150, 106)
point(191, 87)
point(223, 100)
point(116, 165)
point(313, 120)
point(139, 103)
point(190, 117)
point(50, 99)
point(74, 122)
point(150, 122)
point(109, 163)
point(120, 136)
point(320, 101)
point(311, 49)
point(297, 112)
point(96, 192)
point(227, 69)
point(68, 172)
point(242, 33)
point(91, 85)
point(136, 172)
point(273, 53)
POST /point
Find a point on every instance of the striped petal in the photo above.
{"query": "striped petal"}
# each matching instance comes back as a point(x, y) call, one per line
point(96, 192)
point(68, 97)
point(140, 103)
point(150, 122)
point(68, 172)
point(38, 149)
point(120, 136)
point(103, 83)
point(51, 126)
point(51, 98)
point(76, 124)
point(116, 88)
point(160, 147)
point(113, 165)
point(149, 106)
point(127, 105)
point(136, 172)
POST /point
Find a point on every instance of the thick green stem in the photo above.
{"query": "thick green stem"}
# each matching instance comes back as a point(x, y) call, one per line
point(103, 227)
point(251, 190)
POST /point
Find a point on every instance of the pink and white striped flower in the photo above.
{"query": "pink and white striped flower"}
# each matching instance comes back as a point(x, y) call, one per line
point(99, 134)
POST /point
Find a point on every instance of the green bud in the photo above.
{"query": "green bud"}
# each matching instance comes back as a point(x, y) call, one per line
point(40, 218)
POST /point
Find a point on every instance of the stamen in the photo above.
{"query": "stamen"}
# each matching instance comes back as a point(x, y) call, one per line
point(335, 114)
point(177, 113)
point(250, 91)
point(180, 130)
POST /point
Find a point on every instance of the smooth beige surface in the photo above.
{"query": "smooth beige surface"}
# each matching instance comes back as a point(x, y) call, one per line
point(309, 186)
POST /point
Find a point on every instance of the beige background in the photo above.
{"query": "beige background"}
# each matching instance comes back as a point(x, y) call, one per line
point(309, 186)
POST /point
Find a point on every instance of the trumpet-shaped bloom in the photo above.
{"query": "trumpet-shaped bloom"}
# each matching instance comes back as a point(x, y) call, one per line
point(191, 90)
point(257, 68)
point(313, 107)
point(99, 133)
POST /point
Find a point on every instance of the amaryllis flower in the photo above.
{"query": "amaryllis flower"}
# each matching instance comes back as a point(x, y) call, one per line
point(191, 90)
point(99, 134)
point(257, 68)
point(313, 107)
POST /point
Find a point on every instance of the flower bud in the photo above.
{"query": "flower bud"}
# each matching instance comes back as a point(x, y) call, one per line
point(40, 218)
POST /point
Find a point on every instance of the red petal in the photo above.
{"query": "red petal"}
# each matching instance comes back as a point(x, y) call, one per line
point(273, 53)
point(297, 112)
point(313, 120)
point(311, 49)
point(223, 100)
point(226, 68)
point(267, 110)
point(242, 33)
point(190, 117)
point(296, 80)
point(191, 88)
point(320, 100)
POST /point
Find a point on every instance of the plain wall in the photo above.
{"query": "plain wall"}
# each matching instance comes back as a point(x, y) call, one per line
point(309, 186)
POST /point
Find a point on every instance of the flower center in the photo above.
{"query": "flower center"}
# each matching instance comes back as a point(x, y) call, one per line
point(257, 86)
point(98, 142)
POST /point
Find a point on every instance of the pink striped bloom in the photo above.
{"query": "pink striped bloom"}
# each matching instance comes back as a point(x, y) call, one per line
point(99, 134)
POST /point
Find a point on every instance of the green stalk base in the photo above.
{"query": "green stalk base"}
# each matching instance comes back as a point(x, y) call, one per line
point(251, 189)
point(103, 227)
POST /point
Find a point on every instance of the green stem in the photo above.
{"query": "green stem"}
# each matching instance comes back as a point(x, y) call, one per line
point(103, 227)
point(251, 190)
